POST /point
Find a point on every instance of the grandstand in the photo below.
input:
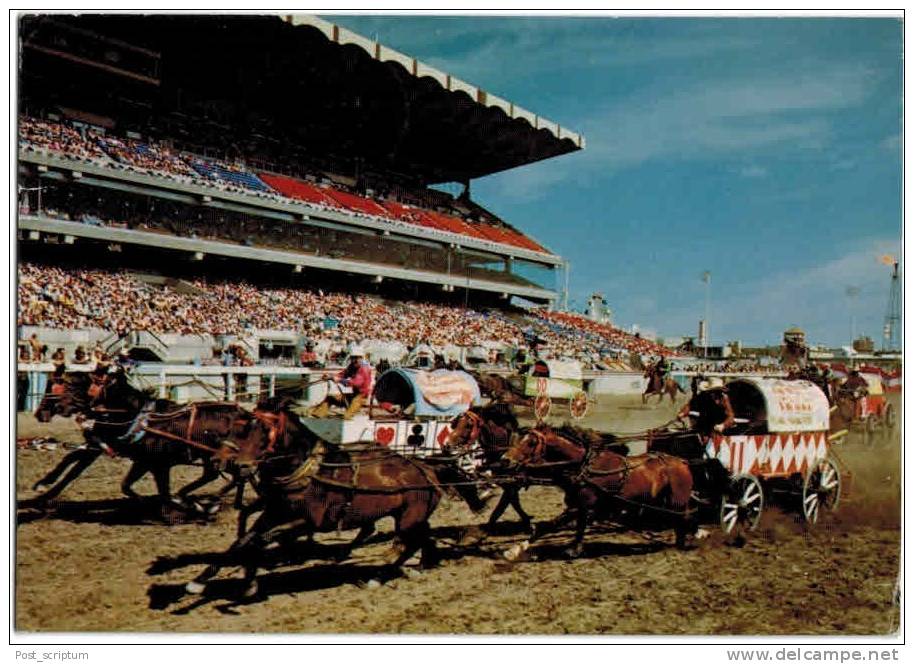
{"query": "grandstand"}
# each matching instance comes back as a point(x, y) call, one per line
point(286, 119)
point(187, 182)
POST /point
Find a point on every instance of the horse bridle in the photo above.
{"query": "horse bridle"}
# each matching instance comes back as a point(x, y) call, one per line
point(276, 423)
point(475, 431)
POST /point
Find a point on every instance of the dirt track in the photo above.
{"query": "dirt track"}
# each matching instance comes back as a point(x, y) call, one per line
point(98, 562)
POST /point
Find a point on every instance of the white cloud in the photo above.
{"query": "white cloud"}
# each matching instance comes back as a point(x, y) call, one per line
point(724, 116)
point(753, 172)
point(716, 119)
point(891, 143)
point(812, 297)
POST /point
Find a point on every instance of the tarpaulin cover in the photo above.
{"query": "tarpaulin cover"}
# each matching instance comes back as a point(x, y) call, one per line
point(438, 393)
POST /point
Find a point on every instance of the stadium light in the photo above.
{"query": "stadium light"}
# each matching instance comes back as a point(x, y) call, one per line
point(77, 175)
point(378, 279)
point(68, 239)
point(198, 255)
point(299, 269)
point(34, 235)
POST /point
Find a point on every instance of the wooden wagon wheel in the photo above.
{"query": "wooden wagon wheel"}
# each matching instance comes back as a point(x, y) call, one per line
point(890, 417)
point(542, 406)
point(579, 404)
point(821, 489)
point(741, 505)
point(870, 424)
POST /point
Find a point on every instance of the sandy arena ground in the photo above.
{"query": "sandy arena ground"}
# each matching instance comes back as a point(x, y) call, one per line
point(98, 562)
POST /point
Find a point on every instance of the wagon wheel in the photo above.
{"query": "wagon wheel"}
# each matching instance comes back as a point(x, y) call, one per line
point(542, 406)
point(869, 429)
point(579, 405)
point(821, 489)
point(890, 417)
point(742, 504)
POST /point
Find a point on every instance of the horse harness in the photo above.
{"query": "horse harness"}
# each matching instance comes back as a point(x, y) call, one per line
point(309, 472)
point(187, 439)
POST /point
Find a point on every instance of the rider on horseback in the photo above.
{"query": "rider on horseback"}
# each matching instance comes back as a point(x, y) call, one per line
point(662, 369)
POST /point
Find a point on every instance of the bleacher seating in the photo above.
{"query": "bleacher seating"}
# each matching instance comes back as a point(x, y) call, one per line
point(156, 159)
point(241, 178)
point(298, 189)
point(357, 203)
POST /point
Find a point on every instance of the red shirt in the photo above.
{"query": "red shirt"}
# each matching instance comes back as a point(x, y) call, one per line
point(360, 382)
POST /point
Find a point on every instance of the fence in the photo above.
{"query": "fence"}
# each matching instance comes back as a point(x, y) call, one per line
point(183, 382)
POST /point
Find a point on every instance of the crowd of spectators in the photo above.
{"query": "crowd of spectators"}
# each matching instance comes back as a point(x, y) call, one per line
point(148, 158)
point(117, 301)
point(40, 136)
point(157, 159)
point(575, 333)
point(137, 212)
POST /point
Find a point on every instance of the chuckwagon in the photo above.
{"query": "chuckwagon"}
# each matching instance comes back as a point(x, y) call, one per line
point(779, 445)
point(868, 412)
point(411, 411)
point(556, 379)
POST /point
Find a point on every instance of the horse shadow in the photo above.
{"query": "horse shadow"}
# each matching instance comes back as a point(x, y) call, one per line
point(163, 597)
point(124, 511)
point(334, 570)
point(592, 550)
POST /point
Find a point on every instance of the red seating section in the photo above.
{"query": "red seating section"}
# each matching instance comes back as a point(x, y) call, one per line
point(333, 197)
point(357, 203)
point(303, 191)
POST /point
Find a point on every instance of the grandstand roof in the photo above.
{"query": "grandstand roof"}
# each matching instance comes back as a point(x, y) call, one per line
point(294, 80)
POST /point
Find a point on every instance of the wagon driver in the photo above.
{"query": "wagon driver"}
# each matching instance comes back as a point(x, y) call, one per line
point(855, 385)
point(358, 376)
point(713, 411)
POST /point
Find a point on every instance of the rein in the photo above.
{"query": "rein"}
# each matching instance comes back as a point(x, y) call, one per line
point(187, 440)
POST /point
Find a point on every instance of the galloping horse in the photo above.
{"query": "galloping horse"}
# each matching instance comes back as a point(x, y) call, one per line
point(599, 480)
point(307, 485)
point(155, 434)
point(492, 426)
point(501, 389)
point(657, 385)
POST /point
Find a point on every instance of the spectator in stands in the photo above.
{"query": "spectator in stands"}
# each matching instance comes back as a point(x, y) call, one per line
point(80, 356)
point(59, 358)
point(36, 348)
point(308, 358)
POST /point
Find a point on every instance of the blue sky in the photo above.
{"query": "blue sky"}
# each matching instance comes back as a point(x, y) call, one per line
point(767, 151)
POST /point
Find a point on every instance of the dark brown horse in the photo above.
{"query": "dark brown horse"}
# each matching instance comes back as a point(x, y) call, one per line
point(501, 389)
point(656, 384)
point(307, 485)
point(635, 489)
point(155, 434)
point(492, 427)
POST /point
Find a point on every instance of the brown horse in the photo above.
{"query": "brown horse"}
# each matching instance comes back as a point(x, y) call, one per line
point(307, 485)
point(632, 489)
point(154, 433)
point(492, 427)
point(501, 389)
point(657, 385)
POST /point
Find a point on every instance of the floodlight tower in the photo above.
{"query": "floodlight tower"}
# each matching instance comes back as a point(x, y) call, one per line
point(890, 330)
